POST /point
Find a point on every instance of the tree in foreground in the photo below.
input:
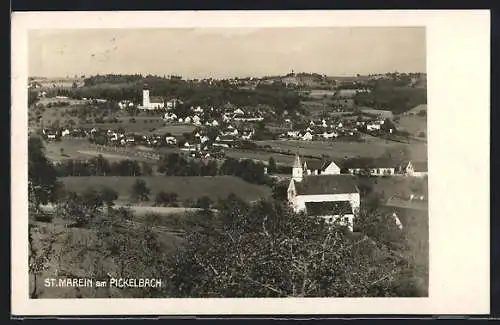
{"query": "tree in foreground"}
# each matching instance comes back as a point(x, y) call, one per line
point(140, 191)
point(266, 250)
point(109, 196)
point(42, 175)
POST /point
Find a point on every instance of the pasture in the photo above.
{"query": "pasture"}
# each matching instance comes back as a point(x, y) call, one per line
point(262, 156)
point(413, 124)
point(319, 93)
point(383, 114)
point(371, 147)
point(175, 129)
point(394, 186)
point(82, 149)
point(188, 187)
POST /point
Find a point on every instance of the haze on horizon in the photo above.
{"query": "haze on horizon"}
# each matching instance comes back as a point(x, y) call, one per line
point(227, 52)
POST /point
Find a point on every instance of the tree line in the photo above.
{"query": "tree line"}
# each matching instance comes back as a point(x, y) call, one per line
point(99, 166)
point(192, 94)
point(172, 164)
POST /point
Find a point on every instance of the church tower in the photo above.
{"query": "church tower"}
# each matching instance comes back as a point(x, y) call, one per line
point(145, 98)
point(297, 169)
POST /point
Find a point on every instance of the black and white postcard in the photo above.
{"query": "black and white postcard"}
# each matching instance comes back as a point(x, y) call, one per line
point(250, 162)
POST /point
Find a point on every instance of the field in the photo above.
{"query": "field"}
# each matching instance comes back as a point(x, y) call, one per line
point(319, 93)
point(190, 187)
point(175, 129)
point(81, 149)
point(142, 123)
point(384, 114)
point(372, 147)
point(394, 185)
point(262, 156)
point(413, 124)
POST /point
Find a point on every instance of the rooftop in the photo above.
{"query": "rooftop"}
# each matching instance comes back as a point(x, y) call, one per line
point(326, 184)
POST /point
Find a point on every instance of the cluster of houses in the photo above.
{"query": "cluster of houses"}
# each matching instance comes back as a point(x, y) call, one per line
point(324, 130)
point(321, 189)
point(212, 116)
point(371, 167)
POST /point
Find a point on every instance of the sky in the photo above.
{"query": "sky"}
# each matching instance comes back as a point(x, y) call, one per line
point(227, 52)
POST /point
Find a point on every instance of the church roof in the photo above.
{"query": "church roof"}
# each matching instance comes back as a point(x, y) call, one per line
point(326, 184)
point(328, 208)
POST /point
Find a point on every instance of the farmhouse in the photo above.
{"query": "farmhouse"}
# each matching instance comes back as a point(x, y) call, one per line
point(317, 167)
point(331, 197)
point(307, 136)
point(416, 169)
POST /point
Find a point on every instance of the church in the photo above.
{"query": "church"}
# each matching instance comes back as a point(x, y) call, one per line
point(333, 197)
point(151, 103)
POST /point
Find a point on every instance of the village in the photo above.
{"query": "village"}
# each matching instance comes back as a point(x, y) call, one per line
point(280, 177)
point(216, 132)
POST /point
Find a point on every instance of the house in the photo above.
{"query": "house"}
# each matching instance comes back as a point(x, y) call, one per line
point(329, 135)
point(188, 147)
point(415, 169)
point(239, 112)
point(372, 167)
point(230, 130)
point(307, 136)
point(125, 103)
point(331, 197)
point(170, 140)
point(198, 109)
point(172, 103)
point(318, 167)
point(196, 120)
point(247, 134)
point(372, 126)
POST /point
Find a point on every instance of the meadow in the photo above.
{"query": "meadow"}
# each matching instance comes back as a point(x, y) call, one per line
point(262, 156)
point(82, 149)
point(189, 187)
point(413, 124)
point(371, 147)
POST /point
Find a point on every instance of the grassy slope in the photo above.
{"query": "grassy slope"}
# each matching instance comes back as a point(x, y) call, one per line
point(373, 147)
point(76, 261)
point(191, 187)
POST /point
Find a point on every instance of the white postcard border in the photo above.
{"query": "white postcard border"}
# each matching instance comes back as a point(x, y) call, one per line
point(458, 67)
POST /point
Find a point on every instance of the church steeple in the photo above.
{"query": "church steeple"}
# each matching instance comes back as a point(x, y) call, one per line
point(297, 169)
